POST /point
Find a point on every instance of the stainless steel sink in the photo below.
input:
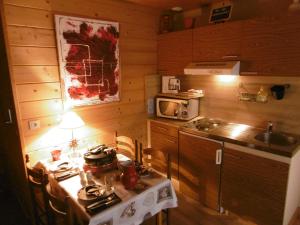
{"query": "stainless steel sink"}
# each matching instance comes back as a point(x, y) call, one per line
point(276, 138)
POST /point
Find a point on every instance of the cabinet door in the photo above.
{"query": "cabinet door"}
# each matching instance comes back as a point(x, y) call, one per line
point(254, 187)
point(164, 139)
point(199, 175)
point(271, 46)
point(174, 52)
point(217, 42)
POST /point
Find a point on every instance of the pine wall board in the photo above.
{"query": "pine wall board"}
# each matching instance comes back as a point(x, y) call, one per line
point(222, 101)
point(36, 79)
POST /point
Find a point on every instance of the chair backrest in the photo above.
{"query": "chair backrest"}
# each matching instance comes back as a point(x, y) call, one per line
point(37, 181)
point(159, 160)
point(59, 209)
point(126, 146)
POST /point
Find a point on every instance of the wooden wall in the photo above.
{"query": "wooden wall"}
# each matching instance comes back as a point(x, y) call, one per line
point(221, 101)
point(36, 80)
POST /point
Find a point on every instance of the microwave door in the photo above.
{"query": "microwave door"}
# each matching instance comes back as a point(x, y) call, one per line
point(168, 108)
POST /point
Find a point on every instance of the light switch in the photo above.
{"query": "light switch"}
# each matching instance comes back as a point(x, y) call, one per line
point(150, 105)
point(34, 124)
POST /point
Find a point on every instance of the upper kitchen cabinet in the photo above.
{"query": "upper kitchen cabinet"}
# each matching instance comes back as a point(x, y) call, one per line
point(271, 46)
point(174, 52)
point(217, 42)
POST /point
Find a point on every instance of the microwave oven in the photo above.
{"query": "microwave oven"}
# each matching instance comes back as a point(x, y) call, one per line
point(175, 108)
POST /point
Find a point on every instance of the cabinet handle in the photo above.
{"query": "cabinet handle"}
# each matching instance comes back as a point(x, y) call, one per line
point(249, 73)
point(9, 121)
point(171, 141)
point(219, 156)
point(229, 57)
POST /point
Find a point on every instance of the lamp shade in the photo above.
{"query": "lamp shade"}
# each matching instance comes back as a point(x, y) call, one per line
point(71, 120)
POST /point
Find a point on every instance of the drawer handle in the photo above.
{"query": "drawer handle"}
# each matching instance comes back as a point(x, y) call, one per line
point(171, 141)
point(162, 128)
point(219, 157)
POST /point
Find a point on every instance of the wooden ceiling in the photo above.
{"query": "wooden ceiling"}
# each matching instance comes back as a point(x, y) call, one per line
point(167, 4)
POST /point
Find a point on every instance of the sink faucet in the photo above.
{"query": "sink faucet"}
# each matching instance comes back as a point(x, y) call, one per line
point(270, 127)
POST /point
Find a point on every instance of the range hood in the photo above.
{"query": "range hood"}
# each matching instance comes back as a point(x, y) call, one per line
point(213, 68)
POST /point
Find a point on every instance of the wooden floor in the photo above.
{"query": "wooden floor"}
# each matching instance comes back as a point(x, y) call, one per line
point(193, 213)
point(189, 212)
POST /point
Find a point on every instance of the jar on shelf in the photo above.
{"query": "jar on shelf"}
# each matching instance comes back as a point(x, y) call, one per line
point(262, 95)
point(165, 22)
point(178, 21)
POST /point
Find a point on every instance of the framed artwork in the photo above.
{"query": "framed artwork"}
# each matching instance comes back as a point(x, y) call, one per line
point(89, 62)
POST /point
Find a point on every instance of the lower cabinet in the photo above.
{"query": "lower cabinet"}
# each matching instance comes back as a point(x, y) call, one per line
point(254, 187)
point(258, 186)
point(199, 169)
point(164, 139)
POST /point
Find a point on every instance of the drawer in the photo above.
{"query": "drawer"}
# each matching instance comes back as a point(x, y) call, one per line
point(164, 128)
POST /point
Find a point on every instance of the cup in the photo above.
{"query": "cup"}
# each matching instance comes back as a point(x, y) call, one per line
point(56, 154)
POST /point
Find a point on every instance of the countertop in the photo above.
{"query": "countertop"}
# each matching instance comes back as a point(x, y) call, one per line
point(239, 134)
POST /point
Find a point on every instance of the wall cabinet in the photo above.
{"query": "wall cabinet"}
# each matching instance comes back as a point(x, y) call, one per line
point(265, 46)
point(175, 51)
point(199, 169)
point(254, 187)
point(271, 46)
point(218, 42)
point(164, 139)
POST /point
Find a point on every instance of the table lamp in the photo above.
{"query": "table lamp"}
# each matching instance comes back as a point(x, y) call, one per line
point(71, 121)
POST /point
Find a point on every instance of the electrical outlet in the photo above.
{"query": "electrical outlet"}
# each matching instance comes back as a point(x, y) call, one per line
point(34, 124)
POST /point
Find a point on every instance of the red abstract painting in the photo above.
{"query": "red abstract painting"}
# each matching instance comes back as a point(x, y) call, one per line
point(89, 59)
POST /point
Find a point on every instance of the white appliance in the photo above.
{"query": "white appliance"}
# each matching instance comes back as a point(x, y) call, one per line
point(213, 68)
point(178, 106)
point(170, 84)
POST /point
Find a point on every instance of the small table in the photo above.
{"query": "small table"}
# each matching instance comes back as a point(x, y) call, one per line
point(134, 208)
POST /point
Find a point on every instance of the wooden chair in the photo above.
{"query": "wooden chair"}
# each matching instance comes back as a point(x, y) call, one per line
point(126, 146)
point(147, 156)
point(59, 210)
point(37, 181)
point(157, 159)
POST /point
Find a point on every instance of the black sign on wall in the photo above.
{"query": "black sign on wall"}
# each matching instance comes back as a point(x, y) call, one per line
point(220, 14)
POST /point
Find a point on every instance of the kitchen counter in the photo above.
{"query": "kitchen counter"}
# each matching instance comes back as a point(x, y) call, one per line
point(239, 134)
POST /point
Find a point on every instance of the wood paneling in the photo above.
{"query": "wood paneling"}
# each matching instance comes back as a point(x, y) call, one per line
point(40, 4)
point(40, 108)
point(109, 10)
point(28, 17)
point(33, 56)
point(35, 92)
point(27, 36)
point(221, 101)
point(35, 73)
point(254, 187)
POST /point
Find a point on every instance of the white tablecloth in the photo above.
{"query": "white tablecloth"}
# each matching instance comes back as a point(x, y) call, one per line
point(134, 207)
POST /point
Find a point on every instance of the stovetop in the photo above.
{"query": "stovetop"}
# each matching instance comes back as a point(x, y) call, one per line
point(205, 124)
